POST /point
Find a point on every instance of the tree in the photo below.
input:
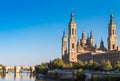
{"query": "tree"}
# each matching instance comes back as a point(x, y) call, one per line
point(79, 64)
point(93, 65)
point(42, 68)
point(56, 64)
point(117, 66)
point(107, 66)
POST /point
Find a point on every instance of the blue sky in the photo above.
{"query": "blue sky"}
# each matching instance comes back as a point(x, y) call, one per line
point(31, 30)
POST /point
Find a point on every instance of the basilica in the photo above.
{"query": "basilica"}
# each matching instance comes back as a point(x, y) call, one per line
point(84, 49)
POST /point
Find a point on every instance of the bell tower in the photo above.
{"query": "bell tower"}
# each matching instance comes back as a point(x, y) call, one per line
point(91, 39)
point(112, 38)
point(64, 46)
point(72, 40)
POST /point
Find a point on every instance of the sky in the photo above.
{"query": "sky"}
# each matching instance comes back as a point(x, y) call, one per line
point(31, 30)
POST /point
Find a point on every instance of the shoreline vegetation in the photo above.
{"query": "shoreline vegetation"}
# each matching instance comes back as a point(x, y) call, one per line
point(57, 70)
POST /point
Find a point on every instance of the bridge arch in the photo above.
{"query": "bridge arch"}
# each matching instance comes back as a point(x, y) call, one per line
point(17, 69)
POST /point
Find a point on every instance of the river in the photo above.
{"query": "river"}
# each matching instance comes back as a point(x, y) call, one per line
point(18, 77)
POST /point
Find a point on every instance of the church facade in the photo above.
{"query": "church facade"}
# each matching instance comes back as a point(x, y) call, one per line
point(84, 49)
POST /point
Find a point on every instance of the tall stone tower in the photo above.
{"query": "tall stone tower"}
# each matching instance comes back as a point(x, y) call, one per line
point(112, 38)
point(64, 45)
point(91, 39)
point(72, 40)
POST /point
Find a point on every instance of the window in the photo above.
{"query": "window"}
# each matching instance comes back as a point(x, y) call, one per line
point(72, 32)
point(113, 32)
point(113, 46)
point(72, 45)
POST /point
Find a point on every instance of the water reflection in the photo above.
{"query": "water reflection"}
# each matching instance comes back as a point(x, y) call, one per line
point(17, 77)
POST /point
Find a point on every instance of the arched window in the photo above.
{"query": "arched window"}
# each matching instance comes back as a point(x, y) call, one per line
point(113, 32)
point(72, 45)
point(72, 31)
point(113, 46)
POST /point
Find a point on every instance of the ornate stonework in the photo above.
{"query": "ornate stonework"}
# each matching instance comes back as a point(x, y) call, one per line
point(85, 46)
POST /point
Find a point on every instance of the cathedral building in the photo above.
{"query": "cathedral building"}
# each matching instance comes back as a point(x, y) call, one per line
point(84, 49)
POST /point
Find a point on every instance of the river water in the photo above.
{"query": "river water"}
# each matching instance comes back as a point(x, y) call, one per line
point(18, 77)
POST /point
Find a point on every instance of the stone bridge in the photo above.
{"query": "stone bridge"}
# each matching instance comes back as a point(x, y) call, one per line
point(17, 69)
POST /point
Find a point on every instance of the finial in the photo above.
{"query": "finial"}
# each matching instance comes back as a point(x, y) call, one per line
point(91, 34)
point(72, 17)
point(64, 34)
point(112, 18)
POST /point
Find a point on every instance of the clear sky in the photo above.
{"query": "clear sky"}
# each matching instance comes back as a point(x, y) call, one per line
point(31, 30)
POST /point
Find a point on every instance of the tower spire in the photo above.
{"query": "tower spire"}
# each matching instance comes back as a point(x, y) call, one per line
point(72, 17)
point(64, 34)
point(91, 36)
point(112, 18)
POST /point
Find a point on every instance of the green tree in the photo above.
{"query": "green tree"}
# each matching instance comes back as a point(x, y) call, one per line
point(117, 66)
point(107, 65)
point(42, 68)
point(93, 65)
point(79, 64)
point(56, 64)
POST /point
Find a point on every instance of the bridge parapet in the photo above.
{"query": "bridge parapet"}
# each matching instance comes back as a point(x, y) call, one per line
point(17, 69)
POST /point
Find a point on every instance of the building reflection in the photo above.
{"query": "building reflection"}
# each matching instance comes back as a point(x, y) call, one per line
point(17, 76)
